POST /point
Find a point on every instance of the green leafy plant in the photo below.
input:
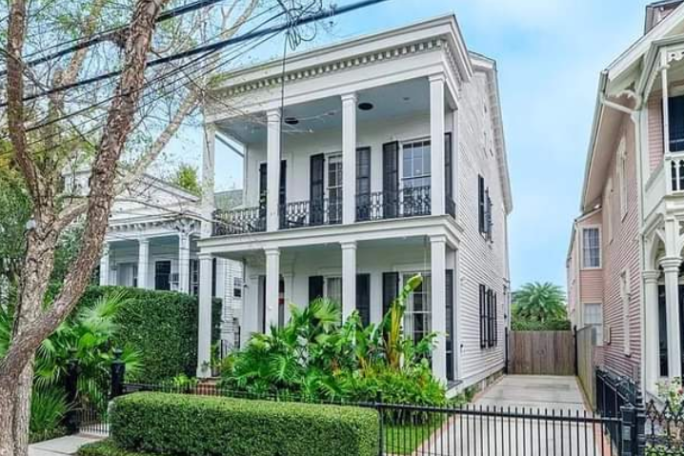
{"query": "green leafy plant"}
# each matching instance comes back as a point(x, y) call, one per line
point(48, 408)
point(315, 357)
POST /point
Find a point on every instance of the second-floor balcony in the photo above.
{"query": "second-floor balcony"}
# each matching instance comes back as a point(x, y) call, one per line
point(407, 202)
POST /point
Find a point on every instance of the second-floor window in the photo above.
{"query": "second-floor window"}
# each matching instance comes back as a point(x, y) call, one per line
point(676, 121)
point(415, 164)
point(591, 248)
point(335, 187)
point(484, 209)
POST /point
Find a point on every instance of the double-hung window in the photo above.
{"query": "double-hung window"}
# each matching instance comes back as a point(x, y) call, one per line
point(335, 188)
point(415, 177)
point(237, 287)
point(591, 248)
point(333, 289)
point(593, 317)
point(418, 309)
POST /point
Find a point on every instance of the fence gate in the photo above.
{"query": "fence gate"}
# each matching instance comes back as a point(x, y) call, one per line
point(541, 353)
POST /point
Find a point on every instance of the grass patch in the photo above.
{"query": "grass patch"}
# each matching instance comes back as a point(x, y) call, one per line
point(404, 439)
point(108, 448)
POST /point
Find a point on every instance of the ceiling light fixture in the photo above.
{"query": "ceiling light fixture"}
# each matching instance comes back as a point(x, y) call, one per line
point(366, 106)
point(291, 120)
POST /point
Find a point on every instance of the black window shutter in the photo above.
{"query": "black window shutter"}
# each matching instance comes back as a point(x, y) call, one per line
point(316, 189)
point(450, 324)
point(481, 203)
point(263, 179)
point(363, 297)
point(315, 288)
point(676, 111)
point(449, 176)
point(213, 277)
point(282, 193)
point(490, 315)
point(363, 179)
point(390, 290)
point(496, 320)
point(488, 210)
point(483, 318)
point(262, 302)
point(390, 179)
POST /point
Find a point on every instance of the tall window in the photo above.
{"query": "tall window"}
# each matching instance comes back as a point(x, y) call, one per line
point(484, 209)
point(676, 112)
point(489, 327)
point(593, 316)
point(335, 188)
point(625, 298)
point(194, 277)
point(415, 164)
point(162, 275)
point(333, 289)
point(237, 287)
point(418, 309)
point(591, 248)
point(622, 176)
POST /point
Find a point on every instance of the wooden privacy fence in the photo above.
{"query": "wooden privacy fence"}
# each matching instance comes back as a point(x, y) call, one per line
point(542, 353)
point(585, 362)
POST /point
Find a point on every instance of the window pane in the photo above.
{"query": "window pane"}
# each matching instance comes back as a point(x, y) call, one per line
point(591, 248)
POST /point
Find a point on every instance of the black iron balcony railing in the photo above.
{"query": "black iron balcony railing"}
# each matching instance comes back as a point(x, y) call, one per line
point(311, 213)
point(239, 221)
point(408, 202)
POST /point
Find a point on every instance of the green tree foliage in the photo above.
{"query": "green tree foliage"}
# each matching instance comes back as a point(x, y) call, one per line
point(85, 337)
point(316, 357)
point(15, 212)
point(186, 177)
point(540, 302)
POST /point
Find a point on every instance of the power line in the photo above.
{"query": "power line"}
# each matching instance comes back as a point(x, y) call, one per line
point(330, 12)
point(113, 32)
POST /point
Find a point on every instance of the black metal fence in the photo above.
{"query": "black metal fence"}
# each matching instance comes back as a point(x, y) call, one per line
point(449, 430)
point(407, 202)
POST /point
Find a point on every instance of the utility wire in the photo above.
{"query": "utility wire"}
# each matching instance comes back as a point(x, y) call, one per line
point(330, 12)
point(113, 32)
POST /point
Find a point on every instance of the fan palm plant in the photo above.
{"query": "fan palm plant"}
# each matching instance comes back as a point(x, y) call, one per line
point(539, 302)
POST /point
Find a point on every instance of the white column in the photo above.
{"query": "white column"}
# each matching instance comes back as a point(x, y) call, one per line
point(438, 302)
point(143, 262)
point(104, 265)
point(666, 105)
point(674, 359)
point(651, 328)
point(204, 329)
point(208, 173)
point(349, 158)
point(272, 285)
point(273, 170)
point(184, 262)
point(437, 144)
point(348, 279)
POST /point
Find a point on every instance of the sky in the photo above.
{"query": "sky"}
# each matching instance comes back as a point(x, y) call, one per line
point(549, 55)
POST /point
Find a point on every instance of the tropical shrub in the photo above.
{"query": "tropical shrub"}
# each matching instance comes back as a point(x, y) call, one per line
point(161, 325)
point(199, 425)
point(48, 408)
point(86, 337)
point(314, 357)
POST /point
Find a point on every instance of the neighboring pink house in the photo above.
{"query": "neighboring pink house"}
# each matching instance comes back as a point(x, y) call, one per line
point(625, 258)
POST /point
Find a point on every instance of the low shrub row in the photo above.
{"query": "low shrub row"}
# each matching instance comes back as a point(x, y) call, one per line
point(163, 423)
point(550, 325)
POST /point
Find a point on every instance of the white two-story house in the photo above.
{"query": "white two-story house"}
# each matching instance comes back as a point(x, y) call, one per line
point(151, 243)
point(367, 162)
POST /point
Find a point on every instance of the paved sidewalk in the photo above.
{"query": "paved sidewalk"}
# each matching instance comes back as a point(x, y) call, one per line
point(543, 392)
point(62, 446)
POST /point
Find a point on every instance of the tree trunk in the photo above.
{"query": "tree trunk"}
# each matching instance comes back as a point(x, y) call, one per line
point(7, 391)
point(22, 411)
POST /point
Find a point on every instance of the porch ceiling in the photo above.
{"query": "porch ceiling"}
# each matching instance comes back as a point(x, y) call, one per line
point(390, 101)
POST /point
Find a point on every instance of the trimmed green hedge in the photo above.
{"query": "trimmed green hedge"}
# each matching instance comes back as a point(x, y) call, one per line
point(553, 325)
point(199, 426)
point(162, 325)
point(107, 448)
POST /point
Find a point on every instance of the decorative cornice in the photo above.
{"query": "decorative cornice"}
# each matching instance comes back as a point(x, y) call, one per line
point(345, 64)
point(184, 225)
point(674, 54)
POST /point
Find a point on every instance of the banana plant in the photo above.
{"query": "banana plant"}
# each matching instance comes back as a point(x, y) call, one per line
point(393, 323)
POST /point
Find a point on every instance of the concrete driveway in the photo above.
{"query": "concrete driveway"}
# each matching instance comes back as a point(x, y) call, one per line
point(509, 419)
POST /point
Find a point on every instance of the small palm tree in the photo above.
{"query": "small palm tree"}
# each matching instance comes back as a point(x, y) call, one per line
point(539, 302)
